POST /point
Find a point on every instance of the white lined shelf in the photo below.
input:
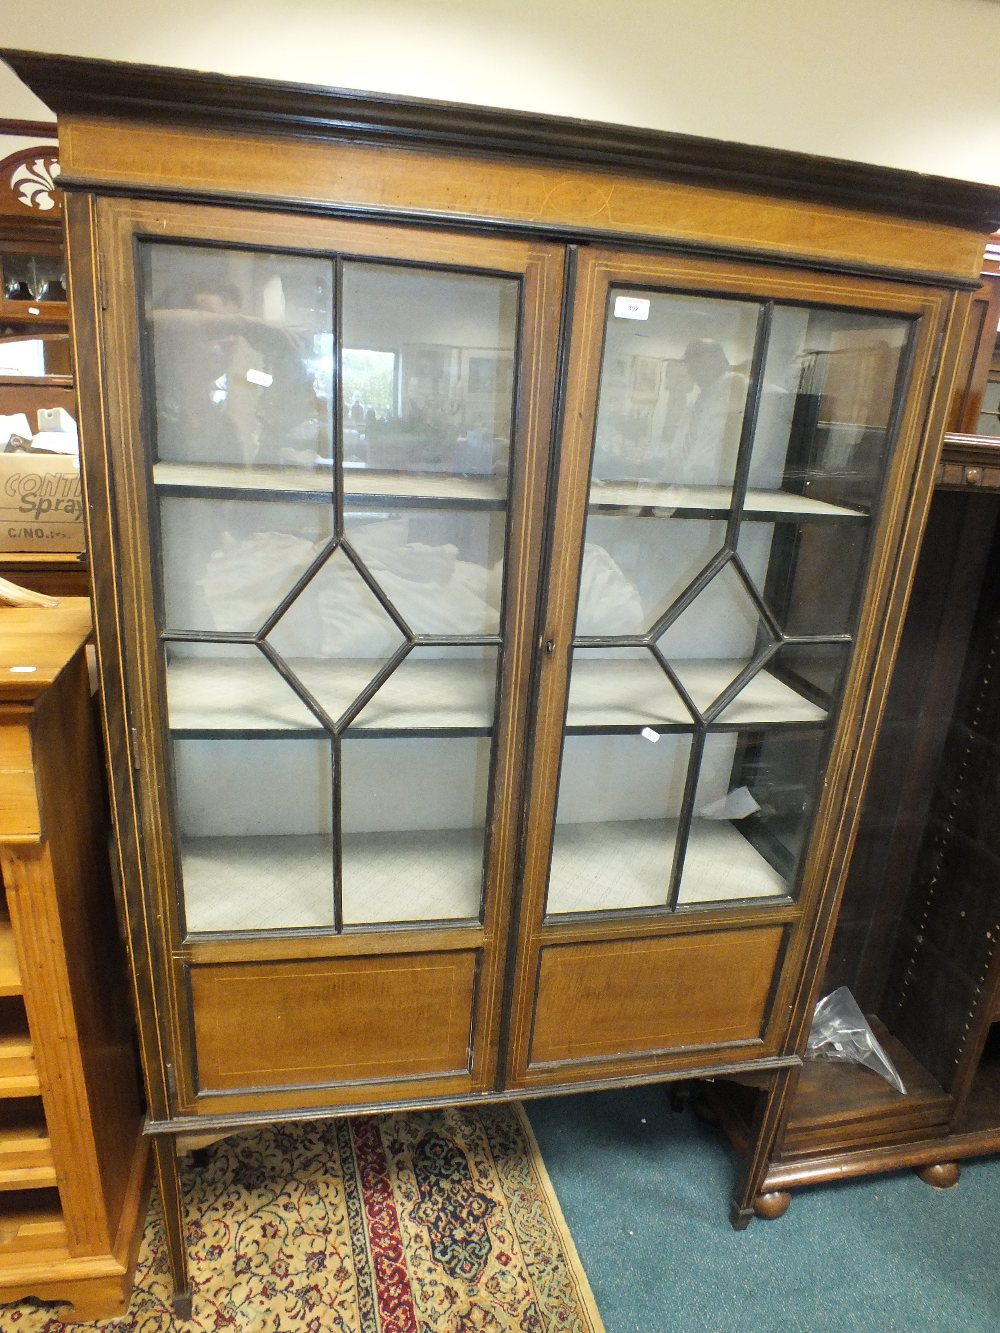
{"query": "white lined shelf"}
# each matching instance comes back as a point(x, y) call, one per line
point(284, 883)
point(316, 483)
point(221, 696)
point(430, 488)
point(207, 696)
point(664, 499)
point(605, 867)
point(627, 692)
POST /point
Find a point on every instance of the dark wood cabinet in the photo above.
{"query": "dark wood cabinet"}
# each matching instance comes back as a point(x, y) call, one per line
point(917, 930)
point(501, 531)
point(916, 935)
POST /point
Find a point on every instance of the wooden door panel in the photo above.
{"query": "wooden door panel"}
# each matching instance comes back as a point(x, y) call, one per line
point(342, 1020)
point(628, 997)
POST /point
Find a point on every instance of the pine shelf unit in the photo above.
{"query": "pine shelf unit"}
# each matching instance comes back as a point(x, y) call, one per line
point(74, 1175)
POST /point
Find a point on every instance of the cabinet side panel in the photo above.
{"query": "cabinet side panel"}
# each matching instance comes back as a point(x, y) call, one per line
point(62, 910)
point(18, 797)
point(334, 1020)
point(630, 996)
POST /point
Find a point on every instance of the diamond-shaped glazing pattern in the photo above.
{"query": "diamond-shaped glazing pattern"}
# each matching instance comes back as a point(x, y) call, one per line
point(635, 568)
point(715, 637)
point(336, 635)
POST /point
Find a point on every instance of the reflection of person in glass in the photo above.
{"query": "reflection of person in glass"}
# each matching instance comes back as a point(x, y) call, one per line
point(230, 388)
point(707, 439)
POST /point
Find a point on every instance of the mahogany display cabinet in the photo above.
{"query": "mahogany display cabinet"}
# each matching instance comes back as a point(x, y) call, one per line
point(501, 528)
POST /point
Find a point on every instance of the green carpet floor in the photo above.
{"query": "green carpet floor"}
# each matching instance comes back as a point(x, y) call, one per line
point(646, 1195)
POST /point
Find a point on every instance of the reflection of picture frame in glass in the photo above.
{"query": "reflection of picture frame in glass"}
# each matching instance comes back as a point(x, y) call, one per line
point(488, 375)
point(426, 370)
point(614, 372)
point(645, 377)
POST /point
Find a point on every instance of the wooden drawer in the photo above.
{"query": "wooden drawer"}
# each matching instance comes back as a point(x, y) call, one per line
point(19, 815)
point(334, 1020)
point(603, 999)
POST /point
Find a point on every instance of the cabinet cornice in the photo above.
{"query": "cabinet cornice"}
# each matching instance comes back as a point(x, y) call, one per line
point(71, 85)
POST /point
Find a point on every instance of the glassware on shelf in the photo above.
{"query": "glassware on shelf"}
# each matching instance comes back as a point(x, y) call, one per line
point(18, 290)
point(53, 290)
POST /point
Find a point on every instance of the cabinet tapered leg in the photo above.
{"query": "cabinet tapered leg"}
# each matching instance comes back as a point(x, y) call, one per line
point(168, 1180)
point(760, 1149)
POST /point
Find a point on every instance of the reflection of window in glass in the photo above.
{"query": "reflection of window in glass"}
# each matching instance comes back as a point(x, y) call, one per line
point(446, 401)
point(370, 385)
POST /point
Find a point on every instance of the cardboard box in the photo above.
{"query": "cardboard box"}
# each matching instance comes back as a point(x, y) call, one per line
point(41, 506)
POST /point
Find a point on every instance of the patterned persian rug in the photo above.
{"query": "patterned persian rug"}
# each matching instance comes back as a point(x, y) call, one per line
point(429, 1222)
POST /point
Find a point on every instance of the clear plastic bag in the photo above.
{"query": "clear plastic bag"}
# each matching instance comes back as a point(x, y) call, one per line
point(840, 1032)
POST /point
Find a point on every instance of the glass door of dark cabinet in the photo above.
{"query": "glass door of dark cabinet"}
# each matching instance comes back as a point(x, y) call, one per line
point(722, 472)
point(344, 466)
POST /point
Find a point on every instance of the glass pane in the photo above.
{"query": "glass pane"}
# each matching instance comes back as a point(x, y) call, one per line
point(771, 695)
point(441, 568)
point(989, 409)
point(715, 637)
point(674, 381)
point(225, 687)
point(621, 687)
point(752, 810)
point(336, 635)
point(616, 822)
point(807, 571)
point(635, 568)
point(815, 671)
point(241, 345)
point(254, 819)
point(428, 370)
point(227, 565)
point(826, 407)
point(435, 689)
point(414, 819)
point(37, 278)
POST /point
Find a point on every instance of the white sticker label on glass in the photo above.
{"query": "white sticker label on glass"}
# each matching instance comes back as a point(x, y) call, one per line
point(650, 734)
point(260, 377)
point(631, 307)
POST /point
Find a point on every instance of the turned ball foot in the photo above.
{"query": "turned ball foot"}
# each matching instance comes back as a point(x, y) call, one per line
point(942, 1175)
point(773, 1205)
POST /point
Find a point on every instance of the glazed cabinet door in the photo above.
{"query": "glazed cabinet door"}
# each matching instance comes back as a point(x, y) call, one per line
point(738, 451)
point(328, 479)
